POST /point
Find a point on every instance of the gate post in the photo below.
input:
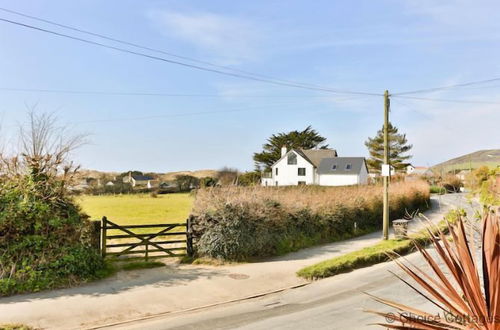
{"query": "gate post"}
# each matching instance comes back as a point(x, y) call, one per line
point(189, 237)
point(95, 235)
point(103, 236)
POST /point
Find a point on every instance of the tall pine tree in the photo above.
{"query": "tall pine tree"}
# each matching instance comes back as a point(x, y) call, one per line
point(398, 147)
point(306, 139)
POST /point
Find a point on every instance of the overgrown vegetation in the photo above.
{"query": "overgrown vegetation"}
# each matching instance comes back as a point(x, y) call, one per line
point(485, 182)
point(237, 223)
point(437, 190)
point(375, 254)
point(44, 237)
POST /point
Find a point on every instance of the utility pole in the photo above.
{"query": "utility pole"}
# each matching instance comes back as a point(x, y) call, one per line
point(386, 163)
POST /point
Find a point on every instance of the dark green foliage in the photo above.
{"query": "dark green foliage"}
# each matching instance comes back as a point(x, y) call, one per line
point(246, 230)
point(398, 147)
point(437, 190)
point(118, 187)
point(43, 236)
point(306, 139)
point(249, 178)
point(186, 182)
point(208, 182)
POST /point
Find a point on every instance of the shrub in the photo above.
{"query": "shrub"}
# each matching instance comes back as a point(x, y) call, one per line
point(451, 183)
point(238, 223)
point(44, 239)
point(437, 190)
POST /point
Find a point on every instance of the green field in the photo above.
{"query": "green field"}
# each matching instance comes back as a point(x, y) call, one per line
point(138, 208)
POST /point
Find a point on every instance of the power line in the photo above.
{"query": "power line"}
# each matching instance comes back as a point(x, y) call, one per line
point(127, 93)
point(128, 43)
point(192, 66)
point(288, 105)
point(442, 100)
point(429, 90)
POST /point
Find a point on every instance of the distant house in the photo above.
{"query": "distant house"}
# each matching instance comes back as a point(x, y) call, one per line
point(462, 175)
point(139, 180)
point(416, 170)
point(316, 167)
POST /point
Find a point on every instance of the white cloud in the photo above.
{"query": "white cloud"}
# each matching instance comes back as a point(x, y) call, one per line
point(468, 19)
point(229, 40)
point(449, 130)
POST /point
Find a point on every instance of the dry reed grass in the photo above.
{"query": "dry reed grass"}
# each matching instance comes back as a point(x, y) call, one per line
point(314, 198)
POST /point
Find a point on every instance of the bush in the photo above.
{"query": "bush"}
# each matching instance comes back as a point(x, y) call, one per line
point(451, 183)
point(42, 238)
point(437, 190)
point(237, 223)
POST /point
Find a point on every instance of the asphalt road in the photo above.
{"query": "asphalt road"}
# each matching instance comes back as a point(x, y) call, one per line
point(334, 303)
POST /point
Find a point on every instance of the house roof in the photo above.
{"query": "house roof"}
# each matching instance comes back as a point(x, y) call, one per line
point(326, 165)
point(314, 156)
point(142, 177)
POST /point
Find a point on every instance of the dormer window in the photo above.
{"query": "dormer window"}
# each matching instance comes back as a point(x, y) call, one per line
point(334, 167)
point(348, 167)
point(292, 159)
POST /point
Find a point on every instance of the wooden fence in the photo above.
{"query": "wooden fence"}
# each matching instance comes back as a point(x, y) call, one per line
point(161, 240)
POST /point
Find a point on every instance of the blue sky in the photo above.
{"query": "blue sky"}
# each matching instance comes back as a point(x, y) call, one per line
point(350, 45)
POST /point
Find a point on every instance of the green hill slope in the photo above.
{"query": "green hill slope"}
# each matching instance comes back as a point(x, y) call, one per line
point(490, 158)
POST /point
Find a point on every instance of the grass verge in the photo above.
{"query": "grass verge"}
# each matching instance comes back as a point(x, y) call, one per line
point(371, 255)
point(437, 190)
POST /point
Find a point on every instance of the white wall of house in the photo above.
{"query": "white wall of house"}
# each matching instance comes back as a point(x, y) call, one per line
point(338, 179)
point(287, 175)
point(344, 179)
point(267, 182)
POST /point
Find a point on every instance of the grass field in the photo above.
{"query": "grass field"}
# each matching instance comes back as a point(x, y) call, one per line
point(139, 208)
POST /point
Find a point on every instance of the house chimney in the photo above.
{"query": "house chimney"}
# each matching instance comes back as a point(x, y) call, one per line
point(283, 151)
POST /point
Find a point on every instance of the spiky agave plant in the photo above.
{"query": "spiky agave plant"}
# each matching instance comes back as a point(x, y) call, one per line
point(467, 295)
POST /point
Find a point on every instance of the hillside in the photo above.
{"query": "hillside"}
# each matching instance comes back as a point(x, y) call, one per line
point(169, 176)
point(490, 158)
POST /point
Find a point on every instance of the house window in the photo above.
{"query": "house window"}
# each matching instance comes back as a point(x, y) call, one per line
point(348, 167)
point(276, 170)
point(302, 183)
point(302, 171)
point(292, 159)
point(334, 167)
point(276, 182)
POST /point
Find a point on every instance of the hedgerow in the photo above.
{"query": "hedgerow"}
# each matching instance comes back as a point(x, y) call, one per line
point(44, 236)
point(240, 223)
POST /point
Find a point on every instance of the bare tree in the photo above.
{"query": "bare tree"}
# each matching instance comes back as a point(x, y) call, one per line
point(227, 176)
point(45, 149)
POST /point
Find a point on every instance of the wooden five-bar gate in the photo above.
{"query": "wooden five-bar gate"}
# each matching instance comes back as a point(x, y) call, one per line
point(153, 240)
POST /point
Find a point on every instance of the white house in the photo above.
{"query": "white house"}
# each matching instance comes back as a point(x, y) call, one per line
point(139, 180)
point(321, 167)
point(417, 170)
